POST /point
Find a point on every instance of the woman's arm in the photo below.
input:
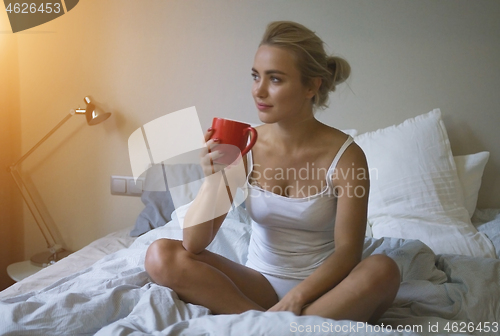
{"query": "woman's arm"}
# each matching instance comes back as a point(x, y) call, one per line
point(350, 227)
point(213, 201)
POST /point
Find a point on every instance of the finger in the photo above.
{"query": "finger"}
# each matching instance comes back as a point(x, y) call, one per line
point(205, 159)
point(211, 156)
point(203, 151)
point(212, 143)
point(209, 161)
point(214, 156)
point(208, 134)
point(209, 146)
point(273, 308)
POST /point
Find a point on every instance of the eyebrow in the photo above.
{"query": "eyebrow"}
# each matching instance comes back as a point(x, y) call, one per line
point(270, 72)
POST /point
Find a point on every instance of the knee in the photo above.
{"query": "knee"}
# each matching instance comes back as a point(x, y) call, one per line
point(162, 260)
point(384, 273)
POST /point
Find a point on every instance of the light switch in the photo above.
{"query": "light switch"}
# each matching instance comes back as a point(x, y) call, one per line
point(134, 188)
point(118, 186)
point(126, 185)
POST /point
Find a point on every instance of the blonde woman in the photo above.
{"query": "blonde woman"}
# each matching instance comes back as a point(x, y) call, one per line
point(305, 254)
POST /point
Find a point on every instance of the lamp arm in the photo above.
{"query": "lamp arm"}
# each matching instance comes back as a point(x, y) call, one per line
point(47, 235)
point(43, 139)
point(21, 185)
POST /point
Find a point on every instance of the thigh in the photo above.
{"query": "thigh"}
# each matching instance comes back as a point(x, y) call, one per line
point(251, 283)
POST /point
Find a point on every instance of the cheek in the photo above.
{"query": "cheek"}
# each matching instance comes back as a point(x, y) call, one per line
point(283, 94)
point(252, 89)
point(289, 95)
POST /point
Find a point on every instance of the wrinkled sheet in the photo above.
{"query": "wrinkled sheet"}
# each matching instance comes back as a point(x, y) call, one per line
point(116, 297)
point(75, 262)
point(487, 221)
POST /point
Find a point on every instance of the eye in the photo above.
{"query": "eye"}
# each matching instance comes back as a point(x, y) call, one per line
point(275, 79)
point(255, 76)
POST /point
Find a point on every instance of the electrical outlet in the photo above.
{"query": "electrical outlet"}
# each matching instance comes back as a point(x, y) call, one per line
point(126, 186)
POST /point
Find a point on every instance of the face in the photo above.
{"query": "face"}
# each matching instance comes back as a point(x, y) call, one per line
point(277, 88)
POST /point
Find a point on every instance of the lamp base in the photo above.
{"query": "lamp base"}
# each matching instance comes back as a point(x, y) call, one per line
point(45, 259)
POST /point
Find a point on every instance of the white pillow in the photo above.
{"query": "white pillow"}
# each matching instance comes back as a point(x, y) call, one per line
point(415, 192)
point(470, 170)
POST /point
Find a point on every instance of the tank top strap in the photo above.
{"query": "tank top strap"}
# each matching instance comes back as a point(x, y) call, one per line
point(336, 159)
point(249, 163)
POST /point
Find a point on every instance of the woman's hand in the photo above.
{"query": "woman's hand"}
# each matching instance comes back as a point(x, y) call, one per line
point(288, 303)
point(209, 155)
point(233, 175)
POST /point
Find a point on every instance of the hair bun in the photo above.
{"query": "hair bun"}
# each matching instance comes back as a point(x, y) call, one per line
point(340, 70)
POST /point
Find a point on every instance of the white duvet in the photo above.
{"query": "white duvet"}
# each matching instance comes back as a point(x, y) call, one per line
point(115, 297)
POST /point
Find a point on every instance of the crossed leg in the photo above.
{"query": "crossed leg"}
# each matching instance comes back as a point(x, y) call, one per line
point(364, 295)
point(226, 287)
point(208, 279)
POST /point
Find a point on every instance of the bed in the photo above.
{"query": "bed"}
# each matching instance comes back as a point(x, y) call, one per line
point(422, 213)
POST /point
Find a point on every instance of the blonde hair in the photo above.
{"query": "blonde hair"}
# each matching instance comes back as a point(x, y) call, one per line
point(312, 60)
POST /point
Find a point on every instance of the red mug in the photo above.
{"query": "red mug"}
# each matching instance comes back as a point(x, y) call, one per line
point(234, 133)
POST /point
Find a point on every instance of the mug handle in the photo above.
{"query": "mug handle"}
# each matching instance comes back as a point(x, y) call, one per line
point(253, 140)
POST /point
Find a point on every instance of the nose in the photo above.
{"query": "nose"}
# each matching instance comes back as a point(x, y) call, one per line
point(260, 89)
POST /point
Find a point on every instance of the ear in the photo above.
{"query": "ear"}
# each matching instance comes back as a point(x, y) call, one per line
point(314, 85)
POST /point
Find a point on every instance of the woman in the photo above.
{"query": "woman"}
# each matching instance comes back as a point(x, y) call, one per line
point(307, 232)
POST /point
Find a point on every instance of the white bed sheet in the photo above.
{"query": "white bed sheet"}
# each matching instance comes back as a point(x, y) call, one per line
point(487, 221)
point(116, 296)
point(73, 263)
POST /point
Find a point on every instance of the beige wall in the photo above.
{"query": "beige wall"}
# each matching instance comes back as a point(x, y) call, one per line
point(145, 59)
point(11, 225)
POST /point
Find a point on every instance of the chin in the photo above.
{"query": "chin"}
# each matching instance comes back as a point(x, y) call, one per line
point(266, 118)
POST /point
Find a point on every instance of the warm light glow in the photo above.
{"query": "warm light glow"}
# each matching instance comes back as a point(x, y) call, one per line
point(4, 20)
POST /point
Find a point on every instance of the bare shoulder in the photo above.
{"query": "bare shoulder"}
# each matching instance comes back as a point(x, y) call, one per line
point(353, 157)
point(338, 138)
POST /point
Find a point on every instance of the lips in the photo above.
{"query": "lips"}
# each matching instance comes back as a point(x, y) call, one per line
point(262, 106)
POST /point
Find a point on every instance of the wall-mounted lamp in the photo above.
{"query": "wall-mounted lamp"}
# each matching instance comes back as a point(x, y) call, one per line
point(56, 252)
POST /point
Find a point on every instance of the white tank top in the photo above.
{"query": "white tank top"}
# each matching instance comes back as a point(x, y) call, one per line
point(291, 236)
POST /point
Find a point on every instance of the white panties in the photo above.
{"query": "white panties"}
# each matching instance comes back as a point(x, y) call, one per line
point(281, 286)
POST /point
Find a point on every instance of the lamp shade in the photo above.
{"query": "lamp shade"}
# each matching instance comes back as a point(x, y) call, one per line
point(93, 114)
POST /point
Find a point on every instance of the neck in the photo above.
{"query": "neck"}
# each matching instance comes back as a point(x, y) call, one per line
point(292, 134)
